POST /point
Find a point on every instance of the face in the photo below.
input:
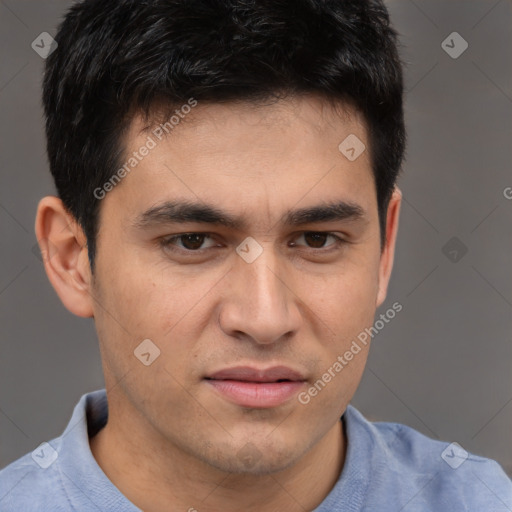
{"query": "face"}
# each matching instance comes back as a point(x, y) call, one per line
point(263, 280)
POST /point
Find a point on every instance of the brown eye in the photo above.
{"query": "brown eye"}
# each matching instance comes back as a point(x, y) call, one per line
point(318, 239)
point(192, 242)
point(315, 240)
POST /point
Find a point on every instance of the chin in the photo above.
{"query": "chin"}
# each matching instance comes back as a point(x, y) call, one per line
point(263, 467)
point(253, 459)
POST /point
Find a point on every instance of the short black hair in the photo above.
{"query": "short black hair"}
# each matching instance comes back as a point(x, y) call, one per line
point(117, 58)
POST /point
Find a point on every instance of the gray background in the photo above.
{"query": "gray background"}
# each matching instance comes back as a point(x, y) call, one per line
point(442, 366)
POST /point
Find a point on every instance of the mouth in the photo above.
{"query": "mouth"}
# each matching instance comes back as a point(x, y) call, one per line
point(256, 388)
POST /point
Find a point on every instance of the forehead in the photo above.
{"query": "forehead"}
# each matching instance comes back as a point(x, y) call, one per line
point(312, 115)
point(256, 158)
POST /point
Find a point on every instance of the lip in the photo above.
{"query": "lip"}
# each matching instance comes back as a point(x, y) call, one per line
point(250, 374)
point(257, 388)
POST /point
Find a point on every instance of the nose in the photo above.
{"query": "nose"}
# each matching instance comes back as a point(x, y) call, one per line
point(261, 304)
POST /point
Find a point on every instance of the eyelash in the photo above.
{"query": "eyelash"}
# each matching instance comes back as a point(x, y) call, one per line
point(167, 242)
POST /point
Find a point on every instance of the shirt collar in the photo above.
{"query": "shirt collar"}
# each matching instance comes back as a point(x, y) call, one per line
point(82, 475)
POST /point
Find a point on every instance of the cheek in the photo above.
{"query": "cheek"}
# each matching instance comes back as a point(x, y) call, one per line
point(344, 300)
point(345, 304)
point(146, 301)
point(141, 302)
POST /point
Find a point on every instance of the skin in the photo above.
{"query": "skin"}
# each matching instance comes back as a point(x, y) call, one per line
point(171, 441)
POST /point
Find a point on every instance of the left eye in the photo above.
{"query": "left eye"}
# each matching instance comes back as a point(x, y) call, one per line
point(317, 240)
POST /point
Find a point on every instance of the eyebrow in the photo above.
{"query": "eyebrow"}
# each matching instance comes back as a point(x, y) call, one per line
point(185, 211)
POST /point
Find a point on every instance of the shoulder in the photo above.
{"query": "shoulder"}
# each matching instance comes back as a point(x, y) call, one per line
point(431, 474)
point(34, 482)
point(58, 475)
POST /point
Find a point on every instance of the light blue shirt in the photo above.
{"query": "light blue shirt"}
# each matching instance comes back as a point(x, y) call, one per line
point(388, 468)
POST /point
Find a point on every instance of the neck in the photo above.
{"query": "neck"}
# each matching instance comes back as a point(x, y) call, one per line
point(160, 478)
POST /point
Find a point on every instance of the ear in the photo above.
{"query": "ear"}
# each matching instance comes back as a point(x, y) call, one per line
point(64, 250)
point(388, 253)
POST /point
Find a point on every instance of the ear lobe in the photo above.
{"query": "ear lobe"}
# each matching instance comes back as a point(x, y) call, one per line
point(64, 251)
point(388, 254)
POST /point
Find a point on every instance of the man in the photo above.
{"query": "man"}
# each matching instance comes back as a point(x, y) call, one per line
point(227, 213)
